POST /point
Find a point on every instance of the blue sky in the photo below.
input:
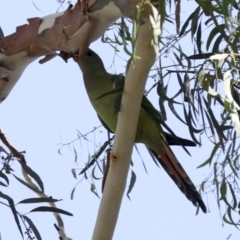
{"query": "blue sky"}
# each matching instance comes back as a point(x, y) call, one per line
point(45, 108)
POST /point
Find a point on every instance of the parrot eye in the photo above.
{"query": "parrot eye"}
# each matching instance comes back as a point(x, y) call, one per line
point(89, 53)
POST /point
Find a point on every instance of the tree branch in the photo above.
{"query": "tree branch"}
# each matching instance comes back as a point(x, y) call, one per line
point(146, 52)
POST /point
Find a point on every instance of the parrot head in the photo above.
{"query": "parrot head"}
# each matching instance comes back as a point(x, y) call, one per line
point(90, 62)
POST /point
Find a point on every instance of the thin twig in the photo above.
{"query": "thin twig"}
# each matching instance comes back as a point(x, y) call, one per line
point(12, 149)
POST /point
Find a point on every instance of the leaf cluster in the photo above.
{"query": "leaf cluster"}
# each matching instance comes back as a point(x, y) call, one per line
point(22, 220)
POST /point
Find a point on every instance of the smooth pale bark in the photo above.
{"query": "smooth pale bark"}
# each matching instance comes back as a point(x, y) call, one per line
point(147, 50)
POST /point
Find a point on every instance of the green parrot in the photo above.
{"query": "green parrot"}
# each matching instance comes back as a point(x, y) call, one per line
point(105, 90)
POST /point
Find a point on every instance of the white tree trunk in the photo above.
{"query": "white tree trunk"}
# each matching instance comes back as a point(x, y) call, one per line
point(146, 52)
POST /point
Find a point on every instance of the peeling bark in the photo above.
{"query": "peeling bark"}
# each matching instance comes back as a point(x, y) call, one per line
point(44, 36)
point(69, 32)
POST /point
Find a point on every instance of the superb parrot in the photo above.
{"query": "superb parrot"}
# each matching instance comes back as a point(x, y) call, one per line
point(105, 91)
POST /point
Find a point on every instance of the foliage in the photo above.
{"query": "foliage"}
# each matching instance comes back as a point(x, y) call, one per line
point(22, 220)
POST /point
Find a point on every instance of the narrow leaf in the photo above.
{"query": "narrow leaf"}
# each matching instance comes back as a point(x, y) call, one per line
point(209, 160)
point(1, 33)
point(223, 189)
point(3, 150)
point(27, 185)
point(2, 175)
point(200, 56)
point(3, 184)
point(93, 190)
point(194, 24)
point(199, 38)
point(132, 183)
point(72, 193)
point(51, 209)
point(144, 166)
point(188, 20)
point(14, 212)
point(213, 33)
point(211, 125)
point(217, 43)
point(234, 205)
point(75, 154)
point(171, 106)
point(33, 174)
point(39, 200)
